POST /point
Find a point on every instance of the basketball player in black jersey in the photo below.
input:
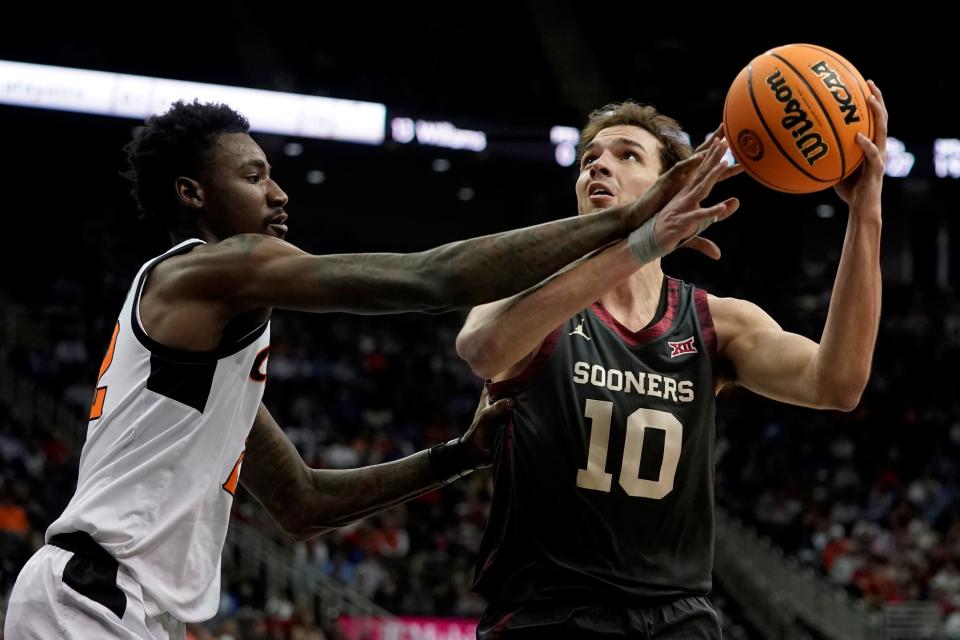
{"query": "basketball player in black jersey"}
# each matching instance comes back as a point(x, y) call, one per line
point(602, 517)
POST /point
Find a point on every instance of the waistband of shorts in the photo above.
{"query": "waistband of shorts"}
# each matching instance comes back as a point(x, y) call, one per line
point(83, 545)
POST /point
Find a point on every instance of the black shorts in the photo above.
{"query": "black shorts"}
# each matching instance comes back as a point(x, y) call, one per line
point(693, 618)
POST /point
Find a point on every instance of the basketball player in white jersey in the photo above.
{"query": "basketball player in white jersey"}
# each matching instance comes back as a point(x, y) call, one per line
point(177, 410)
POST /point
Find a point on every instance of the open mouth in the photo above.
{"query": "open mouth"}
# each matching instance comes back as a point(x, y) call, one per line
point(601, 198)
point(599, 194)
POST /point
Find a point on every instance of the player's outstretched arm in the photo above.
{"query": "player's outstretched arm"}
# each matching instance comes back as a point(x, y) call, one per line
point(250, 271)
point(306, 502)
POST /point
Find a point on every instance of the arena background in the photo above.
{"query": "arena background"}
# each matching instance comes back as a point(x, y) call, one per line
point(833, 525)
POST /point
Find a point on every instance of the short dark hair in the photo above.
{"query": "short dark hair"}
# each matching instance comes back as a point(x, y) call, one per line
point(173, 144)
point(664, 128)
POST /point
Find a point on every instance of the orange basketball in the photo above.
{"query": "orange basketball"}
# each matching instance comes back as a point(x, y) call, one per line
point(792, 117)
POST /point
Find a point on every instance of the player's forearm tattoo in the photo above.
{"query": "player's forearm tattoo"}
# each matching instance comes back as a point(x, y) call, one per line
point(339, 497)
point(494, 267)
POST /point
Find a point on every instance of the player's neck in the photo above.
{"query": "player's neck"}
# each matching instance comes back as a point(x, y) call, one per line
point(634, 301)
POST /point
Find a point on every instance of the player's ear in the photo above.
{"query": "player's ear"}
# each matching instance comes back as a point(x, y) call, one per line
point(189, 192)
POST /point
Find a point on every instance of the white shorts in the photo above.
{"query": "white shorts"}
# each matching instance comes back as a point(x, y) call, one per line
point(42, 606)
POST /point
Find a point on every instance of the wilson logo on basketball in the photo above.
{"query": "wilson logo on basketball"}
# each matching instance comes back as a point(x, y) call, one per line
point(831, 80)
point(682, 348)
point(751, 144)
point(795, 120)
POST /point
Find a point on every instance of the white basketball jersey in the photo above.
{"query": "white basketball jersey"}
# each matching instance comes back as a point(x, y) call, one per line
point(162, 456)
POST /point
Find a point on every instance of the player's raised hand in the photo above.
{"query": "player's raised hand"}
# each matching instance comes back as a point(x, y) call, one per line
point(861, 189)
point(683, 218)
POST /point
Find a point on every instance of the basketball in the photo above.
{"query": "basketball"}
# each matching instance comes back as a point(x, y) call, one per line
point(792, 116)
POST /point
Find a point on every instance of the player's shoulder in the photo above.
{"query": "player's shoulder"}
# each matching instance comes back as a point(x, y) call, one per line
point(731, 307)
point(735, 309)
point(242, 251)
point(246, 245)
point(723, 308)
point(733, 317)
point(212, 270)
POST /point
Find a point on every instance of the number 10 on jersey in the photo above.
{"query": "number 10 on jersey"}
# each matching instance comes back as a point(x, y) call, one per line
point(595, 476)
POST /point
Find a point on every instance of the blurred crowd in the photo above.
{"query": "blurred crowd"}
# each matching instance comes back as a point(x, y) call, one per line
point(349, 392)
point(870, 498)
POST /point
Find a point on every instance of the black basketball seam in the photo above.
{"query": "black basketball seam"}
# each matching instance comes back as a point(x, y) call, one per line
point(773, 138)
point(823, 110)
point(853, 74)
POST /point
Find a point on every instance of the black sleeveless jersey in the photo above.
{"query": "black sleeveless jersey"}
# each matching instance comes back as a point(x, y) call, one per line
point(604, 475)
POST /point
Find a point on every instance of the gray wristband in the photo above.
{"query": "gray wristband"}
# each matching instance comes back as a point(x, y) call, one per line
point(643, 244)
